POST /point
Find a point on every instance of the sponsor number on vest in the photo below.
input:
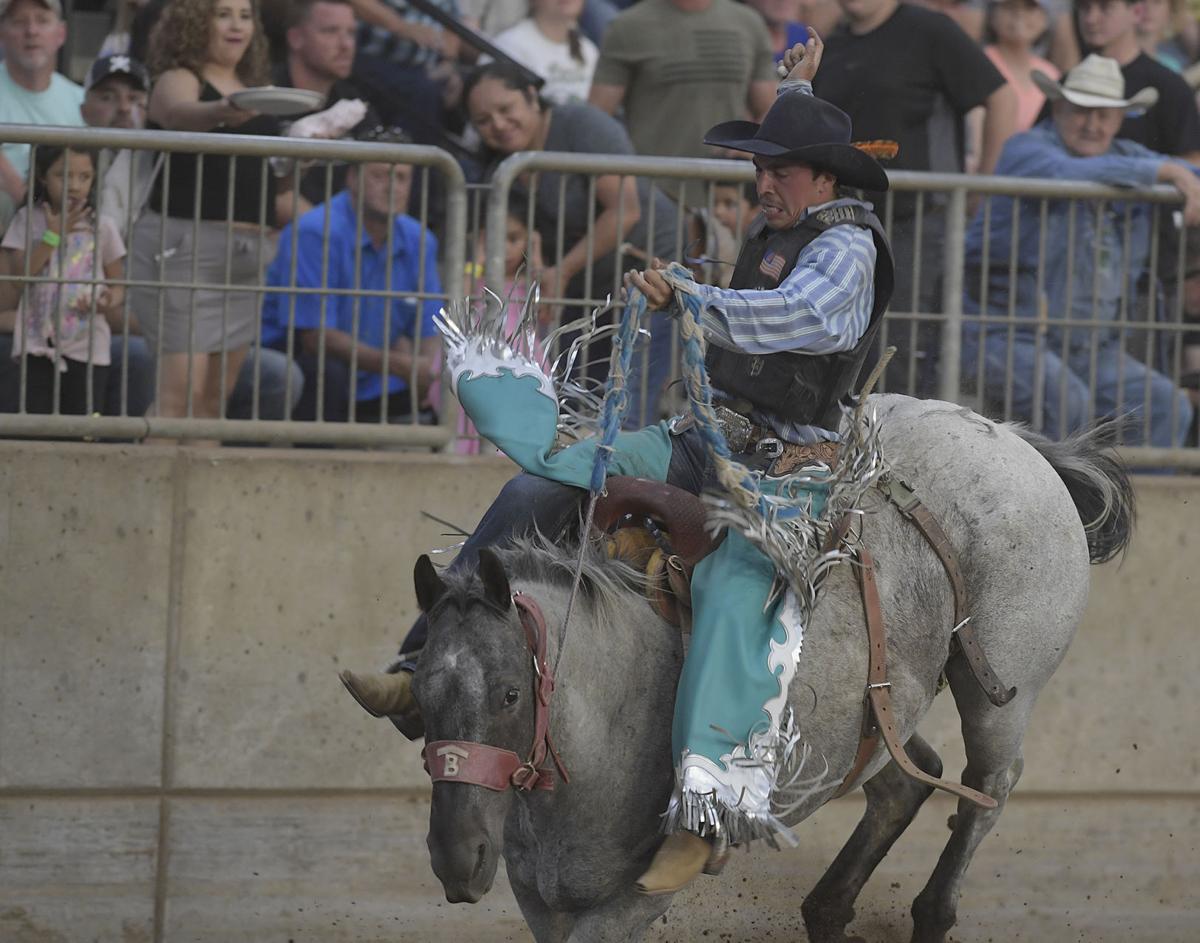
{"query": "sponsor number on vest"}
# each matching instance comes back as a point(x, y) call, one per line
point(836, 214)
point(451, 756)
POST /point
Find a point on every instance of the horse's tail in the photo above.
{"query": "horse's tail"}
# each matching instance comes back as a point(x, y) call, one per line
point(1098, 482)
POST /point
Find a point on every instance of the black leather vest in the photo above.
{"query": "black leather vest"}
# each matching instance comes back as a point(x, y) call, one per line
point(799, 387)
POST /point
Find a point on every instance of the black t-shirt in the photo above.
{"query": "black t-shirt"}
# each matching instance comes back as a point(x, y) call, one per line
point(909, 80)
point(312, 182)
point(184, 170)
point(1172, 125)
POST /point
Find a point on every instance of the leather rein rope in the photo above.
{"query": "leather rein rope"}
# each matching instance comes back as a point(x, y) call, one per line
point(480, 764)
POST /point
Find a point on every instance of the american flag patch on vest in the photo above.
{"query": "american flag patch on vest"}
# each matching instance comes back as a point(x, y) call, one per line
point(772, 265)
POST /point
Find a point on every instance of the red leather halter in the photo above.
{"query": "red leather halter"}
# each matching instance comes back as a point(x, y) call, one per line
point(478, 764)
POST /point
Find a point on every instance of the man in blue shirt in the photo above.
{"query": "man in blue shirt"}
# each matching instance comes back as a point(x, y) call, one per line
point(1063, 375)
point(375, 322)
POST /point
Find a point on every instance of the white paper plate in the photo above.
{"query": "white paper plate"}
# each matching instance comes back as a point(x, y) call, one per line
point(274, 100)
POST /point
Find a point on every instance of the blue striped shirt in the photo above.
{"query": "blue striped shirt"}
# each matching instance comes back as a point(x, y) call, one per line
point(381, 43)
point(823, 306)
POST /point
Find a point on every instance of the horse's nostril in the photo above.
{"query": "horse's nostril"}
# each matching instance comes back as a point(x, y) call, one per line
point(480, 859)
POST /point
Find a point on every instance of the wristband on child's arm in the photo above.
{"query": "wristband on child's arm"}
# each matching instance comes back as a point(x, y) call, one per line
point(51, 238)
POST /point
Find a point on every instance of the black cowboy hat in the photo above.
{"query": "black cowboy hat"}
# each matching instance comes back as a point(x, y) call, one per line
point(807, 130)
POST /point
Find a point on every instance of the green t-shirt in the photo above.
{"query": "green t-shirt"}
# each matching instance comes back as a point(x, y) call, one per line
point(683, 72)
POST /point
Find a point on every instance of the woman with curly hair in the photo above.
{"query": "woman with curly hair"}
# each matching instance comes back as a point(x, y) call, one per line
point(203, 51)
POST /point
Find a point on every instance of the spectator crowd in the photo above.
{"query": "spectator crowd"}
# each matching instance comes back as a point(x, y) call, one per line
point(266, 289)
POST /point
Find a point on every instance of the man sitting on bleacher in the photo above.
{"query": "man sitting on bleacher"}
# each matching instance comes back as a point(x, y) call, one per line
point(1078, 372)
point(379, 337)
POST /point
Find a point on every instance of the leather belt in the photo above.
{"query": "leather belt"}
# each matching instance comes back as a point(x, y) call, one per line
point(744, 437)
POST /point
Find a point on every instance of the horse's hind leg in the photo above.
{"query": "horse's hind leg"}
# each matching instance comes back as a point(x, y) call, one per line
point(892, 801)
point(992, 736)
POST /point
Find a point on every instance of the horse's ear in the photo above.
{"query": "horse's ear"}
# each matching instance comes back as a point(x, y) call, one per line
point(495, 580)
point(429, 585)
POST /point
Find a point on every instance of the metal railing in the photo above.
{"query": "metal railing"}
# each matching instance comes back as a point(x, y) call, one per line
point(306, 161)
point(601, 214)
point(936, 312)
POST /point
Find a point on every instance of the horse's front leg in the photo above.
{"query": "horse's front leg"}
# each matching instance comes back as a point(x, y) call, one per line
point(547, 926)
point(623, 918)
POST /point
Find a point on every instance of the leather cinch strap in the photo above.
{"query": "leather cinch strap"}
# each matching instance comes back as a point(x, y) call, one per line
point(964, 638)
point(878, 719)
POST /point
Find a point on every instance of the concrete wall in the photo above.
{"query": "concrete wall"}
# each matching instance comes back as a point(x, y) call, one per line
point(178, 761)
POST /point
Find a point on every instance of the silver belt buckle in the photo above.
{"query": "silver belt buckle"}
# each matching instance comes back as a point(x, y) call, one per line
point(771, 448)
point(735, 427)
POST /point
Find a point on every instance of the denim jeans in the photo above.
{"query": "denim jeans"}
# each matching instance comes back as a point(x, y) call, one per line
point(272, 368)
point(1123, 386)
point(527, 504)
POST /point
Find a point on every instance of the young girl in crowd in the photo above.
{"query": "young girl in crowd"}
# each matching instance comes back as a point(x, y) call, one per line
point(63, 325)
point(522, 262)
point(549, 42)
point(1014, 27)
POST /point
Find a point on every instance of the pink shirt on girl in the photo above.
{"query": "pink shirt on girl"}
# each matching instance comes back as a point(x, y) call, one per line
point(78, 335)
point(1029, 97)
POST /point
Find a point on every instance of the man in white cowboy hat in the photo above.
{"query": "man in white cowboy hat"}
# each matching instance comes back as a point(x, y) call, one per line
point(1064, 373)
point(1171, 125)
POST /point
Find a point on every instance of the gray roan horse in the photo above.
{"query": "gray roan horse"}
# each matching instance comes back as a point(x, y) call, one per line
point(1014, 505)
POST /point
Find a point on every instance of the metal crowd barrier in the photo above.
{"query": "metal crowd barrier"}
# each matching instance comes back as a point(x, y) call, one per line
point(927, 217)
point(439, 203)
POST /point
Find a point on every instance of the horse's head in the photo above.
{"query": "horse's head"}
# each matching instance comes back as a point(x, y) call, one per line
point(473, 685)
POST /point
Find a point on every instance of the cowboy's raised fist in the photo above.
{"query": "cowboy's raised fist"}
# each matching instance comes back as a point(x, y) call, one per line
point(803, 59)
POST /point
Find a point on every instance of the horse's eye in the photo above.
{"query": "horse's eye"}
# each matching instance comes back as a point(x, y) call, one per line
point(511, 696)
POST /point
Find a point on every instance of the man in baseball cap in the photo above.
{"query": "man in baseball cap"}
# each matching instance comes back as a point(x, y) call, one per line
point(115, 93)
point(54, 6)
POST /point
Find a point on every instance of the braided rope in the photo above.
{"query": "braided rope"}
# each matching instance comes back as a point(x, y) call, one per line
point(616, 394)
point(734, 477)
point(615, 408)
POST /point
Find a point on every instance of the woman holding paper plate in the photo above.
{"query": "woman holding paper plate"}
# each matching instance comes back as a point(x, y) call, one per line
point(207, 56)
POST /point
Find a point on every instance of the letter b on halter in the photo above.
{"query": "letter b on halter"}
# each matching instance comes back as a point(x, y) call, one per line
point(450, 757)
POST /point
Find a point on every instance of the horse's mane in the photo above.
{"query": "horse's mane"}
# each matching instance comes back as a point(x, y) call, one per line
point(604, 582)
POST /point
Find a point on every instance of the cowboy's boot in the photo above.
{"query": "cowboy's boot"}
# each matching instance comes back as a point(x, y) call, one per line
point(387, 695)
point(679, 860)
